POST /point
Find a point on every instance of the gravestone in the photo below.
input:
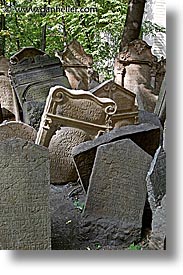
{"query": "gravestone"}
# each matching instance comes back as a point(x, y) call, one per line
point(146, 136)
point(160, 74)
point(24, 202)
point(17, 130)
point(78, 66)
point(117, 193)
point(160, 108)
point(135, 65)
point(127, 112)
point(145, 99)
point(62, 167)
point(156, 179)
point(4, 65)
point(76, 109)
point(158, 235)
point(33, 73)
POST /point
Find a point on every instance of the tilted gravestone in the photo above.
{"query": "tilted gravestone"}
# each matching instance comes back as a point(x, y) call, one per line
point(33, 73)
point(145, 135)
point(156, 179)
point(78, 66)
point(127, 112)
point(117, 193)
point(24, 202)
point(62, 167)
point(17, 130)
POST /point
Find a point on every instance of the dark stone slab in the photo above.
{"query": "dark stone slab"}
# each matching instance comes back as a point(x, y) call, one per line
point(117, 193)
point(32, 112)
point(24, 201)
point(145, 136)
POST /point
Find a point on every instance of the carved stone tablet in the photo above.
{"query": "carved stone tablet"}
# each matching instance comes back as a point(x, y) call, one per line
point(146, 136)
point(62, 167)
point(117, 191)
point(127, 112)
point(24, 201)
point(17, 130)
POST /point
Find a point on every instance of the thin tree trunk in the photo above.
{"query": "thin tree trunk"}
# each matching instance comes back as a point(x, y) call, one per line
point(133, 22)
point(43, 39)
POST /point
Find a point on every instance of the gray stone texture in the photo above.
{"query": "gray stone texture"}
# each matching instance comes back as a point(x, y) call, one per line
point(17, 130)
point(145, 136)
point(62, 167)
point(24, 202)
point(158, 236)
point(117, 192)
point(156, 179)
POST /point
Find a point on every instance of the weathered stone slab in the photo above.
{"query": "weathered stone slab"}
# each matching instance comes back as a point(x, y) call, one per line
point(77, 109)
point(145, 99)
point(4, 65)
point(17, 130)
point(145, 136)
point(24, 202)
point(62, 167)
point(160, 108)
point(78, 66)
point(134, 65)
point(158, 236)
point(33, 73)
point(156, 179)
point(32, 112)
point(127, 112)
point(117, 192)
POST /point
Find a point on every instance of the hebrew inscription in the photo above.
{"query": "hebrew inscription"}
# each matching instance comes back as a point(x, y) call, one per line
point(24, 200)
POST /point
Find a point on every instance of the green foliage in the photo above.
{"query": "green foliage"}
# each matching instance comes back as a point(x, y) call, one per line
point(99, 32)
point(134, 247)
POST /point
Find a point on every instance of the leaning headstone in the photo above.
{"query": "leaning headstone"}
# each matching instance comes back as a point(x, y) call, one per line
point(117, 193)
point(158, 235)
point(17, 130)
point(62, 169)
point(33, 73)
point(145, 136)
point(156, 179)
point(78, 66)
point(24, 202)
point(127, 111)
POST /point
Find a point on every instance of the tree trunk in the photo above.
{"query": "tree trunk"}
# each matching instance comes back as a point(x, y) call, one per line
point(133, 22)
point(43, 39)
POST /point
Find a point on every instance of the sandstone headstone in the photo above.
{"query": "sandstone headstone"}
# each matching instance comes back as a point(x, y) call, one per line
point(134, 65)
point(62, 167)
point(146, 136)
point(17, 130)
point(78, 66)
point(127, 112)
point(33, 73)
point(156, 179)
point(77, 109)
point(24, 202)
point(158, 236)
point(145, 99)
point(117, 192)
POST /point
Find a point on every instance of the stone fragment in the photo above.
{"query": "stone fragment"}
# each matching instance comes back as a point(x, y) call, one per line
point(17, 130)
point(62, 167)
point(156, 179)
point(158, 236)
point(24, 202)
point(117, 193)
point(127, 112)
point(146, 136)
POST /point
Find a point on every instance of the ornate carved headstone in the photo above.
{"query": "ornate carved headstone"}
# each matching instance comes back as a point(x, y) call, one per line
point(24, 201)
point(32, 74)
point(127, 112)
point(135, 65)
point(146, 136)
point(62, 167)
point(117, 193)
point(77, 109)
point(78, 66)
point(17, 130)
